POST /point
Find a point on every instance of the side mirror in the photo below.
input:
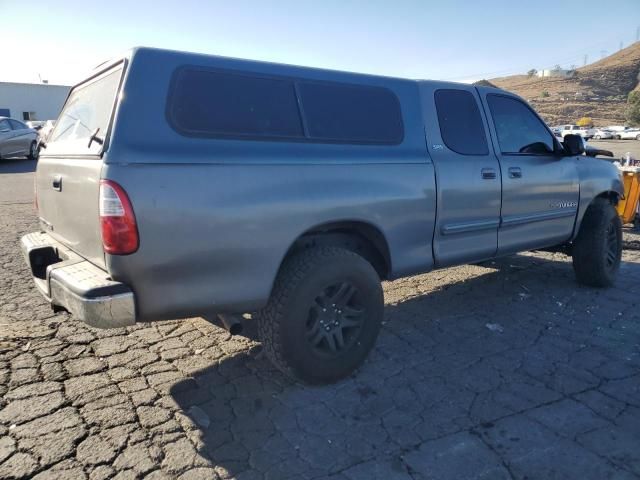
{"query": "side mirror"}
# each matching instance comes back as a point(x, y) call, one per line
point(573, 145)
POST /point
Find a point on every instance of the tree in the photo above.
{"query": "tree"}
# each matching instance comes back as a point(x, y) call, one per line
point(633, 108)
point(532, 72)
point(585, 122)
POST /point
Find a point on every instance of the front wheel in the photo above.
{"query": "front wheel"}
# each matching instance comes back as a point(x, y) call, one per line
point(598, 248)
point(597, 137)
point(323, 316)
point(637, 137)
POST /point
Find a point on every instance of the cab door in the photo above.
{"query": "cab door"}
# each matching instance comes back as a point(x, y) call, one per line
point(467, 175)
point(540, 188)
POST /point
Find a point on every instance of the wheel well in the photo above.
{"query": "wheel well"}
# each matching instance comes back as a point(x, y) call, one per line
point(359, 237)
point(611, 196)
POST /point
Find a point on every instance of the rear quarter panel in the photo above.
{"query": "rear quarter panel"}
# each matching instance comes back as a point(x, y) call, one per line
point(216, 217)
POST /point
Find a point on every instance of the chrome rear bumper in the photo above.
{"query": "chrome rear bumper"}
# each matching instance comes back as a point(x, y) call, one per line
point(70, 282)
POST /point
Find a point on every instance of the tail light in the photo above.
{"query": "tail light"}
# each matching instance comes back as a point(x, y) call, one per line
point(117, 220)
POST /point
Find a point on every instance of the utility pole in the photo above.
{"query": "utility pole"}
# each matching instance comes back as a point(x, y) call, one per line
point(638, 33)
point(620, 45)
point(586, 57)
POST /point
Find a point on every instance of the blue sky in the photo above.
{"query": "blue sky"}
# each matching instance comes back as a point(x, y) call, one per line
point(452, 40)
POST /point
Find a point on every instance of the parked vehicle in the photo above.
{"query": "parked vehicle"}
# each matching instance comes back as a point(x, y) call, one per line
point(576, 130)
point(205, 186)
point(629, 134)
point(602, 134)
point(17, 139)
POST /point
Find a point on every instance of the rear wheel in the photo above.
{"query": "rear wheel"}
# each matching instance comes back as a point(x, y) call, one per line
point(323, 316)
point(597, 137)
point(33, 151)
point(638, 137)
point(598, 248)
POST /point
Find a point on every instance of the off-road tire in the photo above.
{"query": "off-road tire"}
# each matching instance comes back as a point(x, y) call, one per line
point(283, 323)
point(598, 248)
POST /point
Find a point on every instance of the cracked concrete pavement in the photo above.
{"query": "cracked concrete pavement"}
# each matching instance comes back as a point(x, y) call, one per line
point(505, 370)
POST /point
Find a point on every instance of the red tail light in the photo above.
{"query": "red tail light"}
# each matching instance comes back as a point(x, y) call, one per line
point(117, 220)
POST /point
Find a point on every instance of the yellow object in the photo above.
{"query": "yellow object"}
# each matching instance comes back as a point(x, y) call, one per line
point(628, 206)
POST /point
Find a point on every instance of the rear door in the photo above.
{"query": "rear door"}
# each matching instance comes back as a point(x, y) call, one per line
point(467, 175)
point(6, 135)
point(22, 137)
point(69, 169)
point(540, 189)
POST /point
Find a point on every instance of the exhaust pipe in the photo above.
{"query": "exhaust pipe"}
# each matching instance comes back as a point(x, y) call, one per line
point(231, 323)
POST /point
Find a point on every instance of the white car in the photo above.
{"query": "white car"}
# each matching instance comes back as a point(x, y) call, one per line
point(602, 133)
point(629, 134)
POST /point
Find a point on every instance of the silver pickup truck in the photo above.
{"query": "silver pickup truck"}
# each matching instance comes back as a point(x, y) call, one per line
point(178, 185)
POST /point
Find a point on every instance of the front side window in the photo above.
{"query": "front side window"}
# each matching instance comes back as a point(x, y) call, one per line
point(4, 126)
point(518, 129)
point(460, 122)
point(87, 111)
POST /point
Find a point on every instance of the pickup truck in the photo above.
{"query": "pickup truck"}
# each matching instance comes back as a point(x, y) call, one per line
point(177, 185)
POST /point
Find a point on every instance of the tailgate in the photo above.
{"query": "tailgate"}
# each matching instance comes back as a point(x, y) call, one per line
point(69, 169)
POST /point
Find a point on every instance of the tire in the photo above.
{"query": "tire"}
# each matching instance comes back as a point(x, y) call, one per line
point(597, 137)
point(598, 248)
point(33, 151)
point(321, 295)
point(617, 137)
point(637, 137)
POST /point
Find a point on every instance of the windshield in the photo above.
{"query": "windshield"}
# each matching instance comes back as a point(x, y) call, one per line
point(87, 111)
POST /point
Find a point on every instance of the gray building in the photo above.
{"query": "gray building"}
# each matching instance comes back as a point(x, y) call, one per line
point(32, 101)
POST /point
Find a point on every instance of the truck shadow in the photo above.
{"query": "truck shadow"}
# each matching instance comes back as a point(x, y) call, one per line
point(464, 351)
point(17, 165)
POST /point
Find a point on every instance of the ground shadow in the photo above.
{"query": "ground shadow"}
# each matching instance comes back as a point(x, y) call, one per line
point(17, 165)
point(467, 350)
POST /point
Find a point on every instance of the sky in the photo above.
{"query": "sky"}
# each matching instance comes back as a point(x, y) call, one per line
point(61, 41)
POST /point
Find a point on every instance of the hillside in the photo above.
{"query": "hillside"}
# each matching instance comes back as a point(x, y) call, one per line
point(598, 90)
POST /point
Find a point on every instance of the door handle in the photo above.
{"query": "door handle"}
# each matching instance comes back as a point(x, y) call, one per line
point(515, 172)
point(488, 173)
point(57, 183)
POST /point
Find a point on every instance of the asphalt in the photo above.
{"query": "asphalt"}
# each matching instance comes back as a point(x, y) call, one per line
point(506, 370)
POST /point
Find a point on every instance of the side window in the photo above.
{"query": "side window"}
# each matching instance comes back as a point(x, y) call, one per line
point(460, 122)
point(4, 126)
point(351, 113)
point(212, 103)
point(17, 125)
point(518, 128)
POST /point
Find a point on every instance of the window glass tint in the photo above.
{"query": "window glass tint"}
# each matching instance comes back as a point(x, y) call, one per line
point(351, 113)
point(460, 122)
point(88, 108)
point(213, 103)
point(518, 129)
point(17, 125)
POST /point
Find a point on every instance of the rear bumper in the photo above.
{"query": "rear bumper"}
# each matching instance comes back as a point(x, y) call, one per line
point(71, 282)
